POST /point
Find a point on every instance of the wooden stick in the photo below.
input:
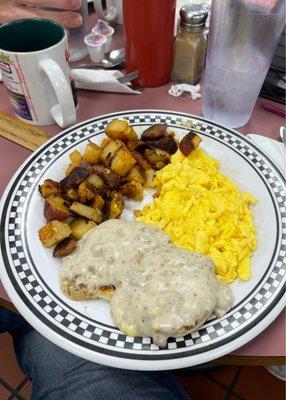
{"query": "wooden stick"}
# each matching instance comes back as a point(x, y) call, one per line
point(22, 133)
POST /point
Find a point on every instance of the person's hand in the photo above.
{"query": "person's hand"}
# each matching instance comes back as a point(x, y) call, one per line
point(17, 9)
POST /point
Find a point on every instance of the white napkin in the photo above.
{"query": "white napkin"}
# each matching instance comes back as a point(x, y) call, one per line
point(275, 150)
point(101, 80)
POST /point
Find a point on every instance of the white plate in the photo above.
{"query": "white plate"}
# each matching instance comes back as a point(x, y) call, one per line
point(30, 273)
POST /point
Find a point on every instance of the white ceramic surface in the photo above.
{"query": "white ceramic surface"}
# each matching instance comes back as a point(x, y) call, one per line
point(30, 273)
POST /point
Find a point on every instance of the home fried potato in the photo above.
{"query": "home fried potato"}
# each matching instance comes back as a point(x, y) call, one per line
point(72, 166)
point(49, 187)
point(72, 194)
point(96, 180)
point(136, 174)
point(65, 247)
point(132, 190)
point(116, 205)
point(154, 132)
point(150, 174)
point(122, 162)
point(94, 214)
point(92, 153)
point(109, 151)
point(189, 142)
point(120, 129)
point(141, 160)
point(54, 232)
point(97, 201)
point(157, 158)
point(80, 226)
point(77, 175)
point(135, 143)
point(75, 156)
point(85, 191)
point(168, 144)
point(110, 178)
point(56, 208)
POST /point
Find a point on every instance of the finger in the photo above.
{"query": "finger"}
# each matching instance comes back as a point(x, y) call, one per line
point(60, 4)
point(68, 19)
point(12, 12)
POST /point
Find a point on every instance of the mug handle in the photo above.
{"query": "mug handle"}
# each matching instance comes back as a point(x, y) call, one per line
point(64, 113)
point(109, 15)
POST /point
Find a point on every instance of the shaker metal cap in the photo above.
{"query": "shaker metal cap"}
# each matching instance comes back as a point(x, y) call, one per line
point(193, 16)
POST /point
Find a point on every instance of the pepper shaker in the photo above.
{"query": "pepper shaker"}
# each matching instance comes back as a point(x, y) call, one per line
point(190, 44)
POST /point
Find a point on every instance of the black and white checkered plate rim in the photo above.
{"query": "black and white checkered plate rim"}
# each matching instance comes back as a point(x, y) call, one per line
point(95, 340)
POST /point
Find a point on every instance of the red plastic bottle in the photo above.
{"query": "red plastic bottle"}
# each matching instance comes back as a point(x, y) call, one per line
point(149, 35)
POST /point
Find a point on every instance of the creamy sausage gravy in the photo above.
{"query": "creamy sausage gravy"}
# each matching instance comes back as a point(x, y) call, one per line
point(161, 290)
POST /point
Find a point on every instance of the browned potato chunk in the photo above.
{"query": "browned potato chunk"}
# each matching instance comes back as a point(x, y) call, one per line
point(134, 144)
point(157, 158)
point(92, 153)
point(109, 151)
point(110, 178)
point(96, 182)
point(136, 174)
point(56, 208)
point(168, 144)
point(77, 175)
point(86, 165)
point(122, 162)
point(75, 156)
point(85, 191)
point(131, 134)
point(80, 226)
point(72, 194)
point(49, 187)
point(54, 232)
point(65, 247)
point(116, 205)
point(71, 167)
point(97, 202)
point(154, 132)
point(133, 190)
point(141, 160)
point(159, 165)
point(189, 142)
point(94, 214)
point(105, 142)
point(119, 129)
point(150, 173)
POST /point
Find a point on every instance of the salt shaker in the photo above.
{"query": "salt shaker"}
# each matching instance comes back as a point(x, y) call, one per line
point(190, 44)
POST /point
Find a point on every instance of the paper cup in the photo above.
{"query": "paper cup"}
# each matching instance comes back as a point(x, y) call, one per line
point(96, 46)
point(108, 33)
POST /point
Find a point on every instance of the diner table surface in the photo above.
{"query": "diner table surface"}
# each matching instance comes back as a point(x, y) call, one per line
point(268, 348)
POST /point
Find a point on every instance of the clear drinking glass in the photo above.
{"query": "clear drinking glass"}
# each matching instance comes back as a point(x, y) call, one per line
point(242, 40)
point(77, 47)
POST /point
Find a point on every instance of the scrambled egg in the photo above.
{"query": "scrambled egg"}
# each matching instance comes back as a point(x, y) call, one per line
point(204, 211)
